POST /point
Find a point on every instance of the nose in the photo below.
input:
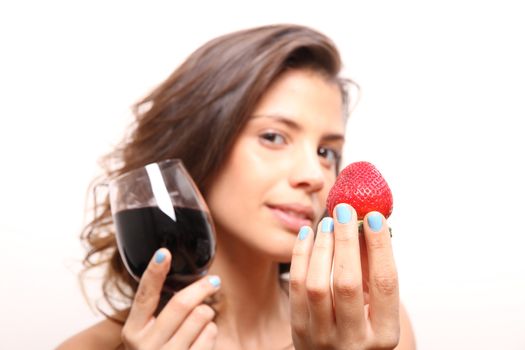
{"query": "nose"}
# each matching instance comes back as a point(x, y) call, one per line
point(307, 172)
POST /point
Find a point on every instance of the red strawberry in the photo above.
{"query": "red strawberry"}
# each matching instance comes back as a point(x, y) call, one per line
point(361, 185)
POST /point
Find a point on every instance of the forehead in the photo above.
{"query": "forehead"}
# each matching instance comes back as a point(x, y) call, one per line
point(305, 96)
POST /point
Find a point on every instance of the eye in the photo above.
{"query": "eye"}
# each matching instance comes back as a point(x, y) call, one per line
point(330, 155)
point(273, 138)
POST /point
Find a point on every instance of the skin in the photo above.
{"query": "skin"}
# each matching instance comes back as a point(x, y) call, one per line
point(274, 182)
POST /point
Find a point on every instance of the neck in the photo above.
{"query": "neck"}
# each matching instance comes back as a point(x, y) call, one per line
point(252, 303)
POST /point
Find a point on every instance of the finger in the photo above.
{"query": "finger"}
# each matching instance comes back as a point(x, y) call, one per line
point(148, 292)
point(348, 285)
point(181, 305)
point(319, 294)
point(192, 327)
point(383, 284)
point(298, 272)
point(364, 264)
point(206, 340)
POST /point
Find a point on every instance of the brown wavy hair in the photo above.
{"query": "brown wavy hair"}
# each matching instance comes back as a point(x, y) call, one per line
point(196, 115)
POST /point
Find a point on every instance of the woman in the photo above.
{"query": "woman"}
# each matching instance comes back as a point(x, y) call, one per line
point(258, 118)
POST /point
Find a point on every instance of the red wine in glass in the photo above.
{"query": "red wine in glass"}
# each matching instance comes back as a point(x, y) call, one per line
point(160, 206)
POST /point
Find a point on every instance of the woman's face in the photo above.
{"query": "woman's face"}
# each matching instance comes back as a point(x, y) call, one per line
point(281, 167)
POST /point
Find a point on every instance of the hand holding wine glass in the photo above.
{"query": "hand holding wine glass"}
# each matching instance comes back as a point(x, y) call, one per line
point(185, 322)
point(159, 212)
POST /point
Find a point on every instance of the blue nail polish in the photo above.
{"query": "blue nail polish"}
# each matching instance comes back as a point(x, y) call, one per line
point(375, 221)
point(303, 233)
point(343, 214)
point(215, 281)
point(159, 256)
point(327, 225)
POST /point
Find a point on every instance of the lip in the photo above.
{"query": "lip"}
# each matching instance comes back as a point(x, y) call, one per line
point(292, 216)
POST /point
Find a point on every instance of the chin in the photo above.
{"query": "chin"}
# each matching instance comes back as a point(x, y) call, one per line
point(284, 258)
point(281, 250)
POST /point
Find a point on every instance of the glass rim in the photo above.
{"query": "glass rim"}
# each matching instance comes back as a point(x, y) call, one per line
point(161, 163)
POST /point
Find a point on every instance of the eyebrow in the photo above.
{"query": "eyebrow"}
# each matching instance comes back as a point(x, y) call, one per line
point(295, 126)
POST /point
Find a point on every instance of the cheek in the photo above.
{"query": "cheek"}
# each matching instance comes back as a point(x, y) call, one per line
point(236, 192)
point(323, 194)
point(329, 183)
point(223, 202)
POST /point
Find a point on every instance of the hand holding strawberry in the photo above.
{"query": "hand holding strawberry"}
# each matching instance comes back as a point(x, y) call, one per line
point(344, 291)
point(363, 187)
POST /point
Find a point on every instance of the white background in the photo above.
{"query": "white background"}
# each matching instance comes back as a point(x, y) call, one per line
point(443, 87)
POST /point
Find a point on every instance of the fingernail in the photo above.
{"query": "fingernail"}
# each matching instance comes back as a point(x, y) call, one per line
point(327, 225)
point(159, 256)
point(375, 221)
point(215, 281)
point(303, 233)
point(343, 214)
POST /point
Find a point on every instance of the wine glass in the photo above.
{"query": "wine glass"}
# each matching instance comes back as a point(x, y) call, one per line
point(156, 206)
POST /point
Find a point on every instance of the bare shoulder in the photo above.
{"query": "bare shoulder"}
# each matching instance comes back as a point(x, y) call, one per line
point(407, 340)
point(102, 335)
